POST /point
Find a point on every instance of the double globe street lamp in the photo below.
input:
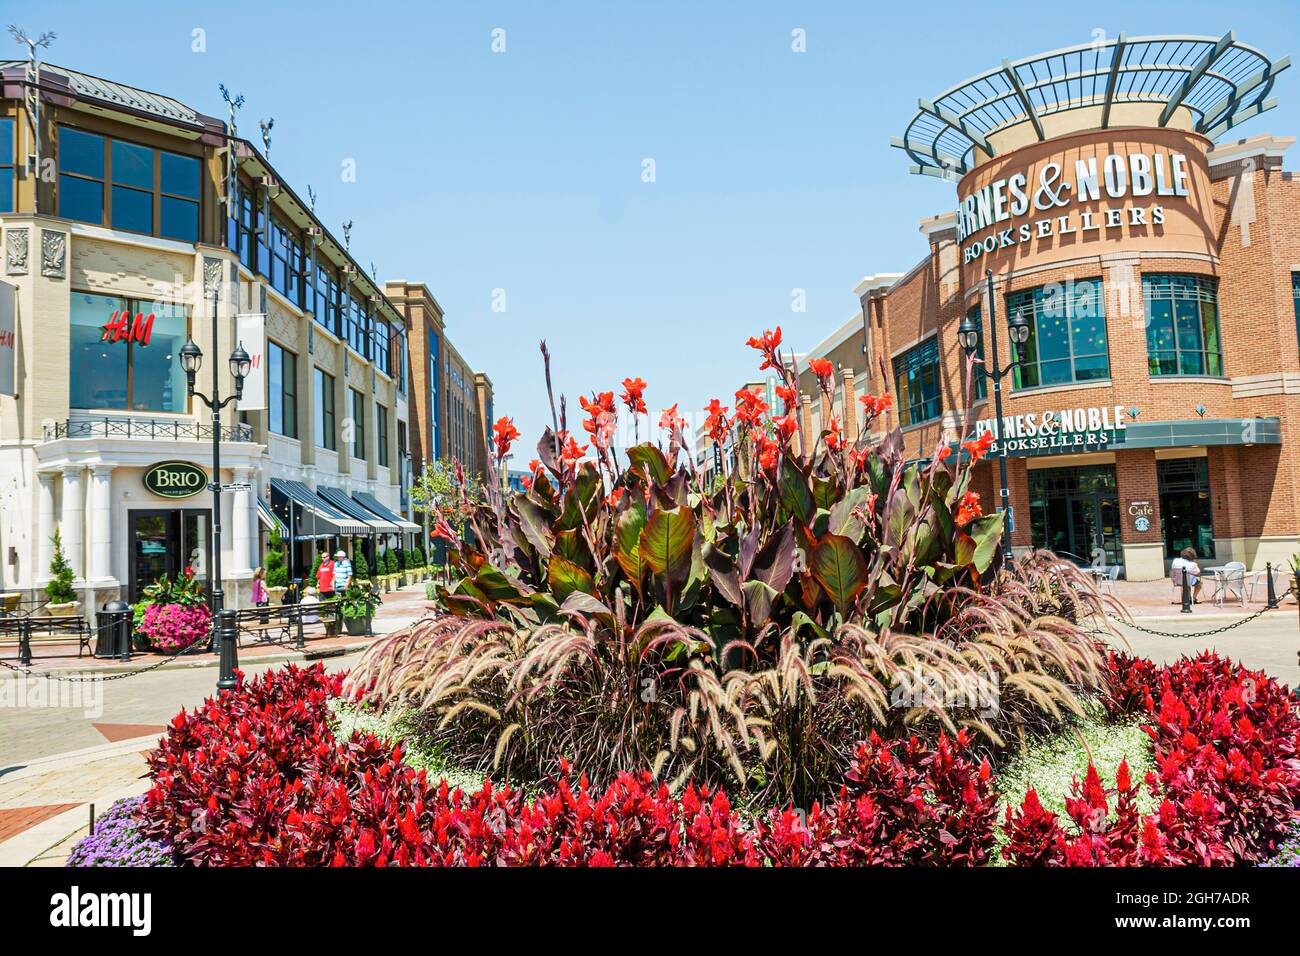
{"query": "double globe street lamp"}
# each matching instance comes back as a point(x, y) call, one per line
point(968, 335)
point(224, 635)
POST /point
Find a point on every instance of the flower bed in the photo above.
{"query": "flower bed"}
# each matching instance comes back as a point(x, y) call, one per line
point(256, 778)
point(118, 841)
point(172, 615)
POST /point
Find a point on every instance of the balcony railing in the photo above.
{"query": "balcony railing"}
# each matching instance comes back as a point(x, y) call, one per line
point(146, 428)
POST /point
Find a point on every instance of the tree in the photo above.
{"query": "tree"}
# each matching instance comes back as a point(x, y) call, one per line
point(59, 590)
point(438, 491)
point(277, 575)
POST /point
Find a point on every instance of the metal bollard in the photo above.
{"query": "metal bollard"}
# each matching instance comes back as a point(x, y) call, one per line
point(1272, 591)
point(25, 642)
point(1187, 594)
point(302, 641)
point(229, 650)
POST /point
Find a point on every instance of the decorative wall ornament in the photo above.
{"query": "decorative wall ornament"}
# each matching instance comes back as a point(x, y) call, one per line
point(311, 339)
point(54, 253)
point(211, 276)
point(16, 246)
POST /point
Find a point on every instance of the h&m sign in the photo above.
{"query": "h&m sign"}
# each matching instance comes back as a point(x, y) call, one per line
point(1056, 432)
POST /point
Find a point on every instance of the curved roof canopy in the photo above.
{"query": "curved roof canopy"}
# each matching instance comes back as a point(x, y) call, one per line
point(1206, 84)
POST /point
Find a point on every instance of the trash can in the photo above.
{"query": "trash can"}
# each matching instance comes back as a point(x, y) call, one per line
point(114, 631)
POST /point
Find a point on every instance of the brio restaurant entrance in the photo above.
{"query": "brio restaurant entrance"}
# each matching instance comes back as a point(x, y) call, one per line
point(1075, 513)
point(166, 541)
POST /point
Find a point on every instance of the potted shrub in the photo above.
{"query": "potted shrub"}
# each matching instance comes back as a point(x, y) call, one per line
point(277, 575)
point(358, 603)
point(61, 599)
point(390, 565)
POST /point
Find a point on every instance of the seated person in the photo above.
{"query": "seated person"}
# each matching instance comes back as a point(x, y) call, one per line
point(309, 602)
point(1185, 565)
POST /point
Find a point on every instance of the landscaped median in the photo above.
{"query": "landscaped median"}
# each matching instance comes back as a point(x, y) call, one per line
point(820, 658)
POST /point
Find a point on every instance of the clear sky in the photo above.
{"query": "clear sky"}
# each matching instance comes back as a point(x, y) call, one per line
point(522, 170)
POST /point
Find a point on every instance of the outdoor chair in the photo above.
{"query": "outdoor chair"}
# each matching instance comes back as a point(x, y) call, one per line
point(1112, 575)
point(1231, 580)
point(1176, 579)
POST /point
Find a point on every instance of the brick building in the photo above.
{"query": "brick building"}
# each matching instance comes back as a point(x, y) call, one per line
point(1156, 265)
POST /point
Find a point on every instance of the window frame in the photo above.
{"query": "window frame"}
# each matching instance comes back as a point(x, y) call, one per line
point(1206, 293)
point(381, 435)
point(1295, 297)
point(288, 389)
point(9, 200)
point(358, 401)
point(1016, 302)
point(128, 407)
point(326, 438)
point(908, 360)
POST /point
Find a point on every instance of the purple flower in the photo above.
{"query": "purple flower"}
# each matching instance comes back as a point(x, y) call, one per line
point(117, 841)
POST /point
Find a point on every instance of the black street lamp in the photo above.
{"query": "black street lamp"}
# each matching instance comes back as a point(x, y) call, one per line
point(968, 336)
point(224, 637)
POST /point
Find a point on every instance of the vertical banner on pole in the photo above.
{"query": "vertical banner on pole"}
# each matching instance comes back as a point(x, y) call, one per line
point(250, 332)
point(8, 341)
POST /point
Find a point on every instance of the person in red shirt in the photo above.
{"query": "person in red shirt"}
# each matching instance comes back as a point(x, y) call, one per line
point(325, 577)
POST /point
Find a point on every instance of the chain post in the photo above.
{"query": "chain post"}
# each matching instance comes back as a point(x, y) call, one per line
point(1272, 591)
point(25, 642)
point(1187, 594)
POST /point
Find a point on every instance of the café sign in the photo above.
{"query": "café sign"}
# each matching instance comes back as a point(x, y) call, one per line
point(175, 479)
point(1056, 432)
point(1019, 211)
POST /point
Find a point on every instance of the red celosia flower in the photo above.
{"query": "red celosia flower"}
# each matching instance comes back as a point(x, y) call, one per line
point(768, 345)
point(978, 448)
point(633, 390)
point(504, 434)
point(969, 509)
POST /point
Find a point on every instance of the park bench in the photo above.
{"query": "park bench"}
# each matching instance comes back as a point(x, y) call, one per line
point(31, 630)
point(282, 623)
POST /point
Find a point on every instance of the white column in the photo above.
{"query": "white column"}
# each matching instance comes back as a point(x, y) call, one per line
point(73, 519)
point(240, 519)
point(101, 522)
point(44, 526)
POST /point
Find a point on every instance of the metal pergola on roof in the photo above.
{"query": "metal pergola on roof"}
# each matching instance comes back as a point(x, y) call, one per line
point(1219, 81)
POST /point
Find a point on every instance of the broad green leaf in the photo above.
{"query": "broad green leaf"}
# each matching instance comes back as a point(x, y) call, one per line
point(564, 577)
point(496, 586)
point(627, 540)
point(723, 573)
point(579, 603)
point(796, 497)
point(839, 568)
point(533, 523)
point(987, 532)
point(646, 458)
point(758, 602)
point(843, 520)
point(666, 541)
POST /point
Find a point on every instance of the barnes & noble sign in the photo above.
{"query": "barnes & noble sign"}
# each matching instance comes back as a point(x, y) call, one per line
point(1056, 432)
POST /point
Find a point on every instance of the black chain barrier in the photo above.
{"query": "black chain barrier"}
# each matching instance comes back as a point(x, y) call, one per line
point(1217, 630)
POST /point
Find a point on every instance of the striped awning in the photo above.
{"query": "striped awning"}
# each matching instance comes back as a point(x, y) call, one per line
point(269, 518)
point(349, 507)
point(372, 504)
point(318, 517)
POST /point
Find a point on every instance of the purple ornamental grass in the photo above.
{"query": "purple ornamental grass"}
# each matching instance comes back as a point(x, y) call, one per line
point(117, 841)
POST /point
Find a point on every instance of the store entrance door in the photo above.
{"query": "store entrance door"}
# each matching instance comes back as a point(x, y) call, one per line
point(166, 542)
point(1075, 513)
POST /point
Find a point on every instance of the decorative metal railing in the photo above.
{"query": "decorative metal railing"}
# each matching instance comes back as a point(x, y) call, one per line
point(146, 428)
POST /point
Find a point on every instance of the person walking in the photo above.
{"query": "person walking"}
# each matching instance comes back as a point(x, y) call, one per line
point(342, 571)
point(260, 597)
point(325, 577)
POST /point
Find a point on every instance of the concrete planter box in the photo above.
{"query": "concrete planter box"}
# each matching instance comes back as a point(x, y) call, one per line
point(63, 610)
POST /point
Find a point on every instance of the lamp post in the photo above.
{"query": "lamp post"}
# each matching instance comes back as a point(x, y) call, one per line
point(223, 633)
point(968, 335)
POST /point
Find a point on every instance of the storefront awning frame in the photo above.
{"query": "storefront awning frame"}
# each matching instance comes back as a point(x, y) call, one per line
point(339, 499)
point(327, 521)
point(373, 505)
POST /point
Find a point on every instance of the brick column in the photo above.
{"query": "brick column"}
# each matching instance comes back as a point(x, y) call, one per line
point(1135, 478)
point(850, 405)
point(1018, 482)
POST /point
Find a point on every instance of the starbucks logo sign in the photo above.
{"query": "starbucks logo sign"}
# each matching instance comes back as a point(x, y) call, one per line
point(175, 479)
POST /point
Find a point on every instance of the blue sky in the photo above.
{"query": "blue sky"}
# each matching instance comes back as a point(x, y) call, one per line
point(522, 170)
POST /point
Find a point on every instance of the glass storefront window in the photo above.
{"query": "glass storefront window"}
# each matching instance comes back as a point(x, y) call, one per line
point(1074, 512)
point(1067, 334)
point(1186, 516)
point(135, 368)
point(1182, 319)
point(916, 381)
point(8, 163)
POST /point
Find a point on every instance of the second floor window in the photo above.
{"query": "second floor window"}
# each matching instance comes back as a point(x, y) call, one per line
point(282, 390)
point(325, 429)
point(381, 435)
point(916, 382)
point(8, 163)
point(1067, 334)
point(383, 347)
point(125, 354)
point(127, 186)
point(286, 261)
point(1182, 318)
point(358, 424)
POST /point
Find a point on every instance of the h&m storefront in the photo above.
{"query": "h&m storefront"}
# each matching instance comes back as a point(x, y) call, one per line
point(1152, 402)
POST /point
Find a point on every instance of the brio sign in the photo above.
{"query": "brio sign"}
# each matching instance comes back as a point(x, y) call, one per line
point(175, 479)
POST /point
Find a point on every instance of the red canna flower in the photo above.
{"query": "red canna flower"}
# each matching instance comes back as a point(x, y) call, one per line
point(787, 426)
point(768, 345)
point(787, 395)
point(823, 369)
point(670, 420)
point(873, 405)
point(504, 434)
point(749, 407)
point(442, 530)
point(614, 497)
point(834, 437)
point(767, 449)
point(978, 448)
point(572, 453)
point(969, 509)
point(604, 418)
point(633, 390)
point(527, 482)
point(716, 423)
point(942, 452)
point(534, 465)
